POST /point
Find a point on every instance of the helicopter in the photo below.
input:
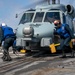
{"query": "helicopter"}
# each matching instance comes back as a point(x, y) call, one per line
point(36, 27)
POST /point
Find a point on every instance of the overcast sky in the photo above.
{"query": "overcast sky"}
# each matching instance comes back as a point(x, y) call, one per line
point(9, 8)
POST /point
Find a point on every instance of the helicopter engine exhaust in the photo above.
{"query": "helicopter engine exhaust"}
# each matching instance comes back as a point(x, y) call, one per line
point(70, 10)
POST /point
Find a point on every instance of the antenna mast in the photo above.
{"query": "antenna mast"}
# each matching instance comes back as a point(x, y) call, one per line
point(58, 1)
point(48, 2)
point(53, 1)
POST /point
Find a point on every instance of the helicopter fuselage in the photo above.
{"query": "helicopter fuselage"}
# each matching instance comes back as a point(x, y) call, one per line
point(36, 27)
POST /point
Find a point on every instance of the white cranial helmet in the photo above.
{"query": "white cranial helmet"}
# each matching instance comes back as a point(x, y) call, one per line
point(3, 24)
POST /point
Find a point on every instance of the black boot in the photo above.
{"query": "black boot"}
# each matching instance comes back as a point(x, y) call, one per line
point(14, 51)
point(3, 57)
point(72, 53)
point(6, 56)
point(63, 54)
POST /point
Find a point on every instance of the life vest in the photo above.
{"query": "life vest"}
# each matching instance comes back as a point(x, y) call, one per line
point(8, 32)
point(62, 31)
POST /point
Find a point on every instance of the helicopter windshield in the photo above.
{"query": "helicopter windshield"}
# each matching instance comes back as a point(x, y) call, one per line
point(27, 17)
point(51, 16)
point(39, 17)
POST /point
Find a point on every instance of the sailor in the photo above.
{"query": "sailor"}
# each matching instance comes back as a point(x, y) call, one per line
point(66, 35)
point(8, 37)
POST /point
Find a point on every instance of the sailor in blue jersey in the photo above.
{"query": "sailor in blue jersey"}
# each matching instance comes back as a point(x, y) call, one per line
point(66, 35)
point(8, 38)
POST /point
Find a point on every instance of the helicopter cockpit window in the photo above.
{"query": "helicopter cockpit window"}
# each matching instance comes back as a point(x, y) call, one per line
point(39, 17)
point(27, 17)
point(51, 16)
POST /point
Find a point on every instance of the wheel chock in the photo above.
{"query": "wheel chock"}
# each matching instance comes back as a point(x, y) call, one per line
point(52, 47)
point(23, 51)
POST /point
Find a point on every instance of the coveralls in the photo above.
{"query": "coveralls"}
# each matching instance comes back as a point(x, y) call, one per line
point(66, 34)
